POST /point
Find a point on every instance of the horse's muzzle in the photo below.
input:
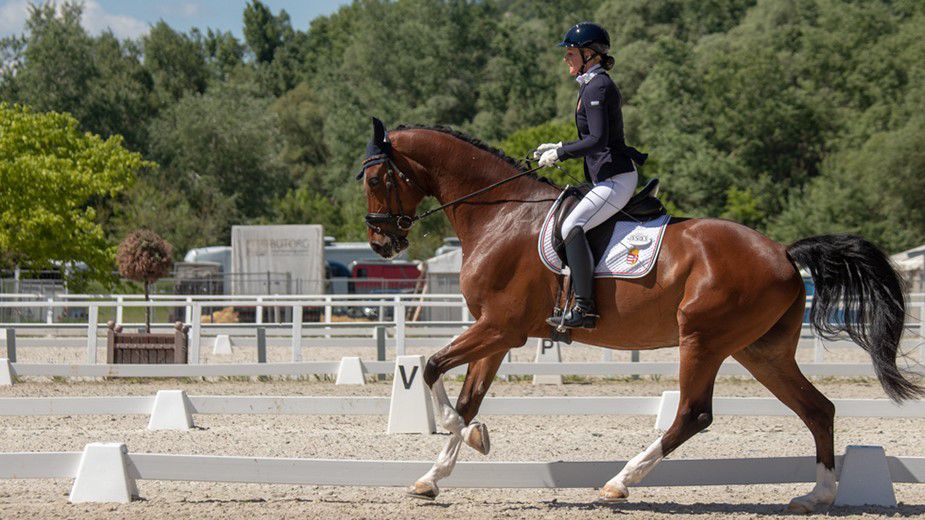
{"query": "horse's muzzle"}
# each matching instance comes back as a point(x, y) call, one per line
point(389, 245)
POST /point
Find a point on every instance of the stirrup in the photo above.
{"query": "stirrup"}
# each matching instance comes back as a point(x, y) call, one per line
point(576, 318)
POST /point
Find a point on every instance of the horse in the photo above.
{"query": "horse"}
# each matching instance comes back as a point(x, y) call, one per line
point(718, 290)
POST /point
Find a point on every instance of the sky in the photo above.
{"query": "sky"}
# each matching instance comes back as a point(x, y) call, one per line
point(133, 18)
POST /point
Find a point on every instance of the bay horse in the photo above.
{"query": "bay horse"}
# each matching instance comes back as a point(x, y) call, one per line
point(718, 289)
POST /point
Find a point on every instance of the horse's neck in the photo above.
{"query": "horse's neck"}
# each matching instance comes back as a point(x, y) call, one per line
point(511, 207)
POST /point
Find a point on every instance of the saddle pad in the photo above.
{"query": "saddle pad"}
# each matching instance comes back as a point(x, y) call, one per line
point(631, 253)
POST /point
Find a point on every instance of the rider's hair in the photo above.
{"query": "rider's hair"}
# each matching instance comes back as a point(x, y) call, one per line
point(607, 61)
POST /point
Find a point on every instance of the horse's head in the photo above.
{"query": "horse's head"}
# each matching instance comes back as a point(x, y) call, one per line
point(392, 196)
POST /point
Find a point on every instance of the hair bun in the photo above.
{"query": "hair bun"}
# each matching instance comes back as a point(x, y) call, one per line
point(607, 62)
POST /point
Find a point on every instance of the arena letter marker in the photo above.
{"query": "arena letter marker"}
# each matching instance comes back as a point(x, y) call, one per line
point(103, 475)
point(410, 410)
point(172, 411)
point(547, 351)
point(222, 345)
point(351, 371)
point(667, 409)
point(6, 372)
point(865, 478)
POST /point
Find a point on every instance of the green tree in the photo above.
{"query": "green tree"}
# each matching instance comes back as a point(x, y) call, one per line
point(59, 67)
point(176, 62)
point(226, 141)
point(50, 172)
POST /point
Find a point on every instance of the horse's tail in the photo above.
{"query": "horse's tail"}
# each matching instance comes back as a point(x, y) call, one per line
point(850, 270)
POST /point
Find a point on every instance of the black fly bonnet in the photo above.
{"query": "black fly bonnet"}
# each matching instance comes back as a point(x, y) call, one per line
point(378, 151)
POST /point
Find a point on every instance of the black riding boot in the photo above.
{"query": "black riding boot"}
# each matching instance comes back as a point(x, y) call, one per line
point(581, 263)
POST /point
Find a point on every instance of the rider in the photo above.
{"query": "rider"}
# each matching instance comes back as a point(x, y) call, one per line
point(608, 163)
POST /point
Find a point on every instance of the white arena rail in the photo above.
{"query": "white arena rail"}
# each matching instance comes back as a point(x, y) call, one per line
point(10, 371)
point(663, 407)
point(107, 472)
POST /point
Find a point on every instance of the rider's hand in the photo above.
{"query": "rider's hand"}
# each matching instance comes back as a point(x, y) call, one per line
point(549, 157)
point(544, 147)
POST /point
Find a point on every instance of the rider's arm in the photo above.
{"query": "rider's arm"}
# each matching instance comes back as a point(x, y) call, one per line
point(593, 100)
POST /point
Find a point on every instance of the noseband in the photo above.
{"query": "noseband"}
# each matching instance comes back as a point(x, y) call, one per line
point(400, 220)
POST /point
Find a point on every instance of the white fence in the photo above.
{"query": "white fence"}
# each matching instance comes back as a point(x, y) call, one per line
point(400, 334)
point(605, 369)
point(663, 407)
point(107, 472)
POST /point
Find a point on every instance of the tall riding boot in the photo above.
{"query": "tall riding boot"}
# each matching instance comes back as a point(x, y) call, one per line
point(581, 263)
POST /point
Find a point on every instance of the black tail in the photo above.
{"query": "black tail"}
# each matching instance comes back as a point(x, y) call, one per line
point(851, 271)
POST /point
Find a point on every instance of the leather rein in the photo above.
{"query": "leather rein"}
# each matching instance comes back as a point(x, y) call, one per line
point(401, 220)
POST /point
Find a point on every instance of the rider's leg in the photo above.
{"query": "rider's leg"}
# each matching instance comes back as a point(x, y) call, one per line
point(603, 201)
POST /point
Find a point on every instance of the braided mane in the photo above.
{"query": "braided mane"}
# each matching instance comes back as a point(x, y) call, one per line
point(482, 145)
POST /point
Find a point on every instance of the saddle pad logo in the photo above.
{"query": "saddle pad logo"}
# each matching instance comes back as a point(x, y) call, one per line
point(632, 257)
point(638, 241)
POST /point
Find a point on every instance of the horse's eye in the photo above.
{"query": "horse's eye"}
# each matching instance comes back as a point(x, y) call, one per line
point(373, 182)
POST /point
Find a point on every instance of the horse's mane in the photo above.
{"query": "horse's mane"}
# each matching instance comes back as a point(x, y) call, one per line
point(482, 145)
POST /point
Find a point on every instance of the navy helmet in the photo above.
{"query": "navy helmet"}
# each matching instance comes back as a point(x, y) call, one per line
point(587, 34)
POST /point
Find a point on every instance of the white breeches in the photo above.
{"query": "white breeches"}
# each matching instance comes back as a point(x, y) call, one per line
point(603, 201)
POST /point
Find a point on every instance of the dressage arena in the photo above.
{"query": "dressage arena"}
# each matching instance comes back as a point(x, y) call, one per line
point(547, 437)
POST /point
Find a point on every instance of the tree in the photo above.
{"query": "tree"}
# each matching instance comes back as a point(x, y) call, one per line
point(226, 141)
point(144, 257)
point(50, 173)
point(186, 222)
point(263, 31)
point(177, 63)
point(59, 67)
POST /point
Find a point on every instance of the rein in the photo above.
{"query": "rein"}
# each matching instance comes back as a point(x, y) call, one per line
point(405, 222)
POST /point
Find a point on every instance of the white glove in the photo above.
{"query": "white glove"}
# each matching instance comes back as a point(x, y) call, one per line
point(549, 157)
point(544, 147)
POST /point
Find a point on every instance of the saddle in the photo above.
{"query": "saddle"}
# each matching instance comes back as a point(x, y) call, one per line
point(644, 205)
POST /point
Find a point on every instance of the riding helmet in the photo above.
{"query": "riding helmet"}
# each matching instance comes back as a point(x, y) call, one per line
point(587, 34)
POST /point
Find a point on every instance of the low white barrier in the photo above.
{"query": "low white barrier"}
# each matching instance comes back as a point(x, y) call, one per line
point(663, 407)
point(106, 472)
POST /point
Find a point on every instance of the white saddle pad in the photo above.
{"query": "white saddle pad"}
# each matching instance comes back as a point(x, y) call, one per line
point(631, 253)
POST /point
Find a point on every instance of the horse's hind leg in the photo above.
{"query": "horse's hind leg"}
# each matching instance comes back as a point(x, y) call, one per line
point(695, 412)
point(771, 361)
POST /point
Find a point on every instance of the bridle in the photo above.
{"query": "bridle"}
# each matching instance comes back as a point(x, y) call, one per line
point(400, 220)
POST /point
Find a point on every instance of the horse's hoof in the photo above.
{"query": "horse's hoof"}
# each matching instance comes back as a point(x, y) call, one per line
point(806, 505)
point(614, 493)
point(423, 491)
point(477, 438)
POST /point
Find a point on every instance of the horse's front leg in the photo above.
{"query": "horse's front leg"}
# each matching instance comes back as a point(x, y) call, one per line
point(459, 421)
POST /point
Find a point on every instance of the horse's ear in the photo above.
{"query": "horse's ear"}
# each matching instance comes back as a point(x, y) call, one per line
point(378, 131)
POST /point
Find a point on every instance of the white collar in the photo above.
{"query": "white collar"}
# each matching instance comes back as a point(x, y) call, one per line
point(584, 79)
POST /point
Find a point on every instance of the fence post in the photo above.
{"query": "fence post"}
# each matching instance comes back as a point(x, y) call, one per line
point(195, 334)
point(399, 312)
point(189, 310)
point(119, 311)
point(296, 333)
point(50, 312)
point(259, 311)
point(380, 347)
point(93, 318)
point(11, 345)
point(328, 312)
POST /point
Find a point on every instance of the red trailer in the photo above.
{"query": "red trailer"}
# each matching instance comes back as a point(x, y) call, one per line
point(384, 276)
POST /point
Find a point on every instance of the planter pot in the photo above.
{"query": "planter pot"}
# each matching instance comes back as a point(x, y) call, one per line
point(146, 347)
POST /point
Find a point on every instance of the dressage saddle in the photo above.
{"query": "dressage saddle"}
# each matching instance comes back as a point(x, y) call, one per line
point(643, 206)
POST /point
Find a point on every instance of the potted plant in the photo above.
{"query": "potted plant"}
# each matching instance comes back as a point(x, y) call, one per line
point(145, 257)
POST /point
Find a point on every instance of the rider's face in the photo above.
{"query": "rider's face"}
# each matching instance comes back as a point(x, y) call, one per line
point(573, 59)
